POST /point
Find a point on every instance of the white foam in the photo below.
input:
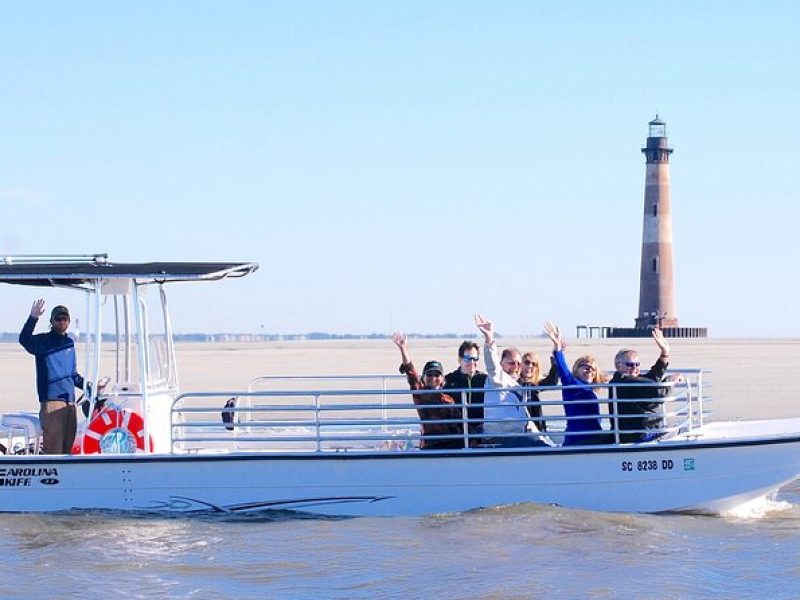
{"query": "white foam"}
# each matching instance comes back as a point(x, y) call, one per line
point(758, 508)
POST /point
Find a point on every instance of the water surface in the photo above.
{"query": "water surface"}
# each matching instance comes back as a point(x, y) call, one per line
point(520, 551)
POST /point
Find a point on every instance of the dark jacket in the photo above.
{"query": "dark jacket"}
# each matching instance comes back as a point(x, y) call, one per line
point(533, 396)
point(56, 371)
point(431, 416)
point(474, 400)
point(639, 415)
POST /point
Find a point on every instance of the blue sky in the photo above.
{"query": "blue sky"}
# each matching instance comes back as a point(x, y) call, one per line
point(404, 165)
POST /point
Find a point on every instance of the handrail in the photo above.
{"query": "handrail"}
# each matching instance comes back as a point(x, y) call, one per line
point(382, 379)
point(345, 419)
point(67, 259)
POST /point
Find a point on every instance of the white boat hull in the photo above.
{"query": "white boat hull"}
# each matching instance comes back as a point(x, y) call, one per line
point(710, 476)
point(348, 445)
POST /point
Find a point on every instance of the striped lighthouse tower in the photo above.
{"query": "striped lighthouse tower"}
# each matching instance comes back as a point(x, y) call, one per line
point(657, 282)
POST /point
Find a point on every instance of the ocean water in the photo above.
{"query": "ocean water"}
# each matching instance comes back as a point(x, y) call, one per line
point(521, 551)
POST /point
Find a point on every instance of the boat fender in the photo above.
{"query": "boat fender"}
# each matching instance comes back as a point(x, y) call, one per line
point(113, 431)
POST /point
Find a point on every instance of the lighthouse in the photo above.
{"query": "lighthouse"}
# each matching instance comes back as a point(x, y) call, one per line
point(656, 275)
point(656, 279)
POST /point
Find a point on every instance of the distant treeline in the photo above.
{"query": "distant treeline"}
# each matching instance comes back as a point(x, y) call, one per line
point(277, 337)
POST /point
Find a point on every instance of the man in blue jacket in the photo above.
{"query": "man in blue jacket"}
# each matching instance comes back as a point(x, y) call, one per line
point(56, 377)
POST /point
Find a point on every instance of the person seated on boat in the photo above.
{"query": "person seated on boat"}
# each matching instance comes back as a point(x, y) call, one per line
point(583, 415)
point(505, 416)
point(467, 376)
point(647, 414)
point(442, 421)
point(531, 375)
point(56, 377)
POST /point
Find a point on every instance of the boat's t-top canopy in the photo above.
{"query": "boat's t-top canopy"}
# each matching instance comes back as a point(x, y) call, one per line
point(82, 271)
point(120, 315)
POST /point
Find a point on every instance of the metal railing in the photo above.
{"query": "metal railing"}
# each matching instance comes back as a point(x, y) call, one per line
point(67, 259)
point(335, 419)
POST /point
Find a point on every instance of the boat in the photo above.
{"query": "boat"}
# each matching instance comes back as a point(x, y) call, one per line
point(337, 446)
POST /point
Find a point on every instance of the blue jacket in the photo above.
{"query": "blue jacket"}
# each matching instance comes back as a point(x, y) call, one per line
point(590, 425)
point(56, 373)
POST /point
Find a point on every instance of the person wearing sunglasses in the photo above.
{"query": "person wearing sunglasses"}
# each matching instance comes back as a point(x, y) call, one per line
point(56, 377)
point(580, 403)
point(468, 377)
point(631, 384)
point(531, 376)
point(442, 422)
point(505, 416)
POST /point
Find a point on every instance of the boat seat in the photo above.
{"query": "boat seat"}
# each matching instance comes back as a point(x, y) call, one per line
point(25, 425)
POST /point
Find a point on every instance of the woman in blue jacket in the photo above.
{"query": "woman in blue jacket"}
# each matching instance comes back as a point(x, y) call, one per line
point(580, 403)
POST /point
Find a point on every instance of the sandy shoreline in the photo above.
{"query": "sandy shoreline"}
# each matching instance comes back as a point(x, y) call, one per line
point(751, 378)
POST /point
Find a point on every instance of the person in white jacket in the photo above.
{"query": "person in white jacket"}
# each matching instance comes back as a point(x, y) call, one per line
point(505, 416)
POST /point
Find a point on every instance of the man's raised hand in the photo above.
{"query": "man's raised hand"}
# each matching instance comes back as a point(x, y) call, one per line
point(37, 309)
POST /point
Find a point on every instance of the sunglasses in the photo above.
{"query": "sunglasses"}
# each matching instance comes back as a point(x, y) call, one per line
point(530, 363)
point(432, 374)
point(470, 358)
point(631, 365)
point(57, 319)
point(590, 367)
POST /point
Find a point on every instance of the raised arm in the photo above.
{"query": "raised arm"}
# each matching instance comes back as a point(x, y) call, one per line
point(486, 328)
point(400, 340)
point(37, 309)
point(553, 331)
point(26, 338)
point(490, 354)
point(552, 375)
point(656, 372)
point(661, 342)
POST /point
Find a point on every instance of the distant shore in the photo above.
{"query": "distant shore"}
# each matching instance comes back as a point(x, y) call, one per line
point(293, 337)
point(750, 378)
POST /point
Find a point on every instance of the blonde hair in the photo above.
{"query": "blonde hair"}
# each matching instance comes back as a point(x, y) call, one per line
point(536, 374)
point(587, 359)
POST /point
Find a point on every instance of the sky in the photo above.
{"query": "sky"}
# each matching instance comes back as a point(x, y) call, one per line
point(404, 165)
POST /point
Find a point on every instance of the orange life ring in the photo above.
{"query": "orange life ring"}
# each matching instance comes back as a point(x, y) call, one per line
point(124, 424)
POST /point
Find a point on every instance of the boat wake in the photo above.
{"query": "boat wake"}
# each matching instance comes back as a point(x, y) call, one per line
point(759, 508)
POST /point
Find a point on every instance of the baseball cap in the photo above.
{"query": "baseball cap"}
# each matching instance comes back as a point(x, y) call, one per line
point(58, 311)
point(433, 366)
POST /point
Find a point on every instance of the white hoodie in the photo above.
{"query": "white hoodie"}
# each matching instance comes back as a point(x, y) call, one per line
point(501, 406)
